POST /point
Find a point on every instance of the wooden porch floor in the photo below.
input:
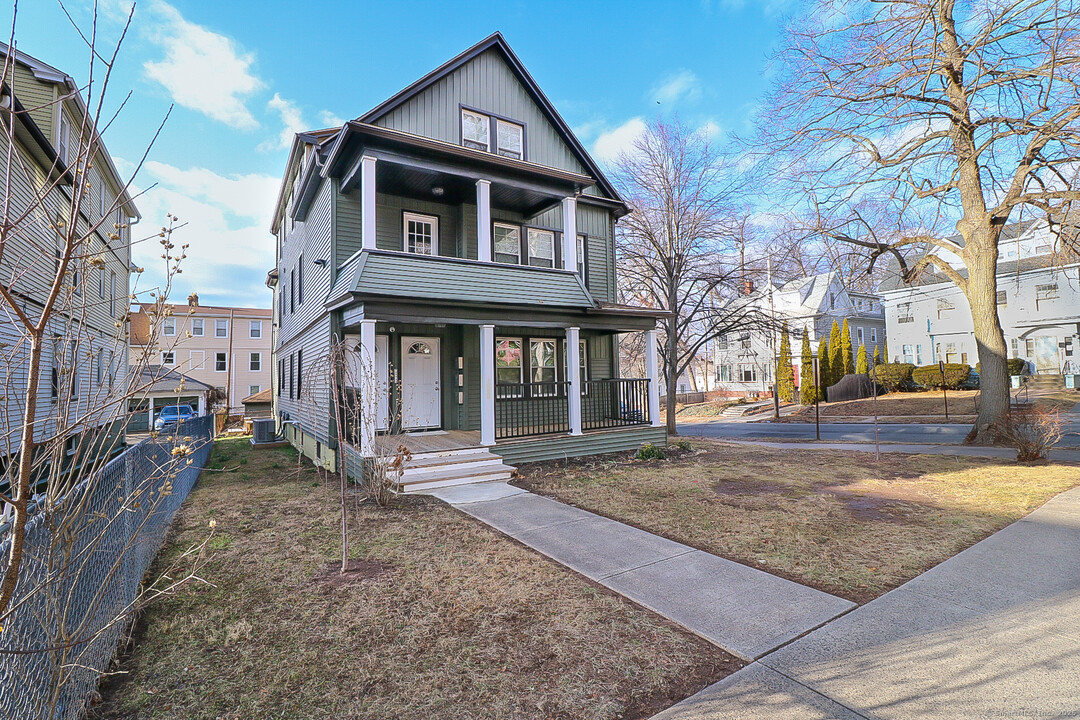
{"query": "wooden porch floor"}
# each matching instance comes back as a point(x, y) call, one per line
point(425, 442)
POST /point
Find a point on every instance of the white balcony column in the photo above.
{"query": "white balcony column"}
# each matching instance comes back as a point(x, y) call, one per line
point(367, 202)
point(652, 369)
point(569, 234)
point(573, 372)
point(369, 384)
point(487, 384)
point(483, 221)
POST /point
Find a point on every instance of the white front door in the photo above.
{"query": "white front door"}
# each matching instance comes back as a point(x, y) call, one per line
point(420, 388)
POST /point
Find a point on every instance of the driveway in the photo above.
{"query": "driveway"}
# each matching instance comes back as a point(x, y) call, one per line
point(993, 632)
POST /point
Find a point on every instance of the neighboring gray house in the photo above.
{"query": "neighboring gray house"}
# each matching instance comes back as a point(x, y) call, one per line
point(460, 240)
point(743, 361)
point(153, 387)
point(1038, 304)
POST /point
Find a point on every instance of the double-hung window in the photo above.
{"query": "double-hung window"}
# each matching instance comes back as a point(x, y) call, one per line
point(541, 248)
point(221, 362)
point(542, 364)
point(221, 328)
point(101, 283)
point(508, 361)
point(507, 243)
point(254, 389)
point(859, 334)
point(421, 234)
point(198, 327)
point(255, 362)
point(475, 130)
point(582, 245)
point(747, 373)
point(168, 357)
point(723, 373)
point(300, 279)
point(255, 328)
point(873, 335)
point(112, 296)
point(510, 138)
point(168, 326)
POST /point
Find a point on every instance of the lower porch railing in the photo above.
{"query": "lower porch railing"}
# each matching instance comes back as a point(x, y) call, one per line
point(614, 402)
point(525, 409)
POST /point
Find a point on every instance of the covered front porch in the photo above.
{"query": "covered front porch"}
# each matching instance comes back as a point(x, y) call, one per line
point(463, 382)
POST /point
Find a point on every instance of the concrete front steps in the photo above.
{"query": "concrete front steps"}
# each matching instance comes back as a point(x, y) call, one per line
point(430, 470)
point(1045, 381)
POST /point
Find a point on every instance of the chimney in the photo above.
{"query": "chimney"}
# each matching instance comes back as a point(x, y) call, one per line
point(748, 287)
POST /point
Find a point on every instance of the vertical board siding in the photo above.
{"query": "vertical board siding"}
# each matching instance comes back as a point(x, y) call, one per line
point(389, 224)
point(485, 83)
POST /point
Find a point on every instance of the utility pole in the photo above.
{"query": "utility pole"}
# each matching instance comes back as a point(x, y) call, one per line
point(772, 335)
point(817, 397)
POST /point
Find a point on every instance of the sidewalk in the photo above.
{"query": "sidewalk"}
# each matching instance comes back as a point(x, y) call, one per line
point(1072, 456)
point(745, 611)
point(990, 633)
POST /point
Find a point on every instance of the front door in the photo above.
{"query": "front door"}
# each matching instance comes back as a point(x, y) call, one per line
point(1046, 355)
point(421, 397)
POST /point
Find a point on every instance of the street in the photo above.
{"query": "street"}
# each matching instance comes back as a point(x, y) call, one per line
point(916, 433)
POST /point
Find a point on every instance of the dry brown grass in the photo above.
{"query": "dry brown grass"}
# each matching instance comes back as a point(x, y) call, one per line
point(927, 403)
point(451, 620)
point(834, 520)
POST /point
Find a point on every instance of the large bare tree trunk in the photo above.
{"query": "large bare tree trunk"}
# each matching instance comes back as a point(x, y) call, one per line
point(981, 292)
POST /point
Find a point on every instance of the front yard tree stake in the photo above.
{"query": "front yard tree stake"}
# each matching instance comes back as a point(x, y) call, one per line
point(957, 118)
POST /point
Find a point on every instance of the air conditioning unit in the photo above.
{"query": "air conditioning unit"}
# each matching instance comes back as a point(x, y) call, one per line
point(263, 429)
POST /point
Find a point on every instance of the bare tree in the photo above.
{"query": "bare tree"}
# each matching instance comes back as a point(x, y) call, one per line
point(959, 113)
point(676, 249)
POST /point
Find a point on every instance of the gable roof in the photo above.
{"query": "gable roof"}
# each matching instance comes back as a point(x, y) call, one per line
point(497, 42)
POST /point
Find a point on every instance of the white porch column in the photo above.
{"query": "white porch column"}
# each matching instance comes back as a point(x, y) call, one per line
point(569, 233)
point(369, 401)
point(487, 384)
point(573, 372)
point(202, 405)
point(483, 220)
point(367, 202)
point(652, 369)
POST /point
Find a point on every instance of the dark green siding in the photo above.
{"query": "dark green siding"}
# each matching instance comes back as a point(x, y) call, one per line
point(485, 83)
point(593, 443)
point(417, 277)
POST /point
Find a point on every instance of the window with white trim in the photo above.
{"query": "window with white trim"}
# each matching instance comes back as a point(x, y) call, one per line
point(221, 328)
point(859, 335)
point(254, 389)
point(723, 373)
point(903, 313)
point(507, 243)
point(583, 363)
point(541, 248)
point(198, 327)
point(112, 297)
point(101, 283)
point(168, 357)
point(510, 138)
point(255, 328)
point(421, 234)
point(168, 327)
point(62, 147)
point(747, 373)
point(255, 362)
point(582, 244)
point(542, 365)
point(197, 359)
point(508, 361)
point(221, 362)
point(873, 334)
point(475, 130)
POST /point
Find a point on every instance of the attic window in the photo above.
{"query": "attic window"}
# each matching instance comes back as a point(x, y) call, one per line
point(510, 137)
point(475, 130)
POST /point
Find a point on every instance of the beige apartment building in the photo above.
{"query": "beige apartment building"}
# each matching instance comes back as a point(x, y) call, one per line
point(226, 348)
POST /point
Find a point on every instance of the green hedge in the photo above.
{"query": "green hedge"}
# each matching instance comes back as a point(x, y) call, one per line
point(894, 376)
point(1016, 366)
point(929, 376)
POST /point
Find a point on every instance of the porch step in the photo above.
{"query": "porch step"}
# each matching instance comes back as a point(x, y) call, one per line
point(427, 471)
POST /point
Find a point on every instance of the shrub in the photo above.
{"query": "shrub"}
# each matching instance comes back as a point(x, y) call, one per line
point(1032, 431)
point(929, 376)
point(684, 445)
point(648, 451)
point(1016, 366)
point(895, 376)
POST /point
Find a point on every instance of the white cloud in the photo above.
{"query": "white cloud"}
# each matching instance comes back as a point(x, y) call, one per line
point(683, 84)
point(226, 221)
point(329, 119)
point(292, 121)
point(202, 70)
point(611, 143)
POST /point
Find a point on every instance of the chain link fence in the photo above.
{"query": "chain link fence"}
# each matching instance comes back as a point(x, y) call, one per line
point(83, 566)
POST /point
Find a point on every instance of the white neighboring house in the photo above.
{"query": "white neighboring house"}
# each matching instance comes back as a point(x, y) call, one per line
point(743, 361)
point(1038, 304)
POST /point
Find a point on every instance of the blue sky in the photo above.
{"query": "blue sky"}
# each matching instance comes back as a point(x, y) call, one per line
point(245, 75)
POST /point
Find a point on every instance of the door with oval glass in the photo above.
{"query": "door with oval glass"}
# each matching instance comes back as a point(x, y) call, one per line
point(421, 395)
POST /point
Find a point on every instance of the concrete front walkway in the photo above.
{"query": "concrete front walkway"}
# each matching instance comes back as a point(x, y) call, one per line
point(993, 632)
point(742, 610)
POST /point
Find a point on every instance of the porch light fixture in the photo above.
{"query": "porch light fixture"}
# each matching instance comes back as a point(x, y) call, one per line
point(320, 262)
point(437, 191)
